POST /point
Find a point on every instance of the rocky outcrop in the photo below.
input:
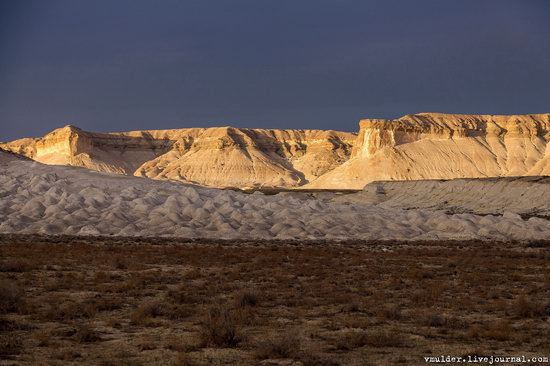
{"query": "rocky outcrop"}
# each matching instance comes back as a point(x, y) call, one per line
point(413, 147)
point(218, 157)
point(444, 146)
point(115, 153)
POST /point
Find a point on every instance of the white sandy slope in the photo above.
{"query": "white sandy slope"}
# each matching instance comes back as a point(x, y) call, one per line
point(527, 196)
point(36, 198)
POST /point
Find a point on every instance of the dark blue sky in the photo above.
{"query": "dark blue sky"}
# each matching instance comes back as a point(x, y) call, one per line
point(111, 65)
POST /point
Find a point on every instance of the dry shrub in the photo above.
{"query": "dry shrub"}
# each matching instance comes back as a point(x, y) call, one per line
point(66, 354)
point(351, 340)
point(525, 308)
point(120, 262)
point(181, 344)
point(221, 327)
point(385, 339)
point(391, 312)
point(147, 343)
point(11, 297)
point(42, 337)
point(86, 334)
point(246, 298)
point(177, 295)
point(352, 322)
point(70, 310)
point(183, 359)
point(15, 265)
point(278, 346)
point(156, 308)
point(9, 345)
point(311, 359)
point(146, 311)
point(353, 307)
point(430, 318)
point(498, 331)
point(107, 303)
point(181, 295)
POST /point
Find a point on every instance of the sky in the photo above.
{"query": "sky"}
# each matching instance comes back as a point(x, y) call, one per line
point(116, 65)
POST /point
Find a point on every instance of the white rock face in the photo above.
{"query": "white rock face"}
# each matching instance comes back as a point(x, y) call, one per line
point(444, 146)
point(35, 198)
point(217, 157)
point(420, 146)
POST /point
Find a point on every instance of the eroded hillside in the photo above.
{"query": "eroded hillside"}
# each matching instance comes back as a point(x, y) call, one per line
point(218, 157)
point(413, 147)
point(444, 146)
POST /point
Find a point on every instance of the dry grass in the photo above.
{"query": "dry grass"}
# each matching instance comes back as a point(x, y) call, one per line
point(221, 327)
point(278, 345)
point(11, 297)
point(117, 301)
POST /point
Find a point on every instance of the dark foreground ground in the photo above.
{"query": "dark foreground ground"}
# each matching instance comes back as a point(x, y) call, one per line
point(164, 302)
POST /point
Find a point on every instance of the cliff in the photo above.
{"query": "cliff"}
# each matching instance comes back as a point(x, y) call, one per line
point(413, 147)
point(218, 157)
point(444, 146)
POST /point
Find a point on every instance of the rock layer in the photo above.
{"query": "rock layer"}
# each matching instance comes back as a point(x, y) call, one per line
point(444, 146)
point(413, 147)
point(218, 157)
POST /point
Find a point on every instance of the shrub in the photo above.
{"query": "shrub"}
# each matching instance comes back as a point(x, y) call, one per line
point(86, 334)
point(183, 359)
point(42, 337)
point(70, 310)
point(11, 297)
point(9, 345)
point(246, 298)
point(309, 359)
point(15, 265)
point(221, 327)
point(391, 312)
point(147, 310)
point(280, 346)
point(531, 309)
point(385, 339)
point(351, 340)
point(180, 344)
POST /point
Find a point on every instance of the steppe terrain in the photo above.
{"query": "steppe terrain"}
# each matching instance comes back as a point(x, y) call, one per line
point(137, 301)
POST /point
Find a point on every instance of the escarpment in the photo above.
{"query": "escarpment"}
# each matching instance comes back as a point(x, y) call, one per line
point(413, 147)
point(218, 157)
point(444, 146)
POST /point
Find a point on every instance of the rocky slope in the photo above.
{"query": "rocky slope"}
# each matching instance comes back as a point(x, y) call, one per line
point(218, 157)
point(525, 196)
point(444, 146)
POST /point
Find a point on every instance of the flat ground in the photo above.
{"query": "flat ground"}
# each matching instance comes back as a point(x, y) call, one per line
point(117, 301)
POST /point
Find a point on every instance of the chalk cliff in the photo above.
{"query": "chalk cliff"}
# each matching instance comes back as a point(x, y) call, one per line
point(444, 146)
point(413, 147)
point(218, 157)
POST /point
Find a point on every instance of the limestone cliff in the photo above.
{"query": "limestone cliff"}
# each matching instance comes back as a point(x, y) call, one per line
point(419, 146)
point(219, 157)
point(444, 146)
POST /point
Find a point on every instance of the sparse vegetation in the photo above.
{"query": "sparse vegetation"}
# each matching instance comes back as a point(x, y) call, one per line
point(11, 297)
point(221, 327)
point(278, 345)
point(103, 301)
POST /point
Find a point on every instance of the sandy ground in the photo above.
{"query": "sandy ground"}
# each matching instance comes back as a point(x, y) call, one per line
point(54, 200)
